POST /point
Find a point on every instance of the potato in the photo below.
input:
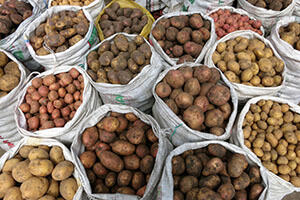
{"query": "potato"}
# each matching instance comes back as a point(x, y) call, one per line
point(123, 148)
point(187, 183)
point(146, 164)
point(88, 158)
point(210, 182)
point(178, 165)
point(216, 150)
point(34, 187)
point(254, 175)
point(205, 193)
point(8, 82)
point(236, 165)
point(38, 153)
point(255, 191)
point(10, 164)
point(62, 170)
point(131, 162)
point(6, 182)
point(89, 136)
point(111, 161)
point(68, 188)
point(226, 191)
point(124, 178)
point(214, 118)
point(194, 117)
point(175, 78)
point(13, 193)
point(53, 189)
point(218, 95)
point(135, 135)
point(21, 171)
point(40, 167)
point(241, 182)
point(56, 154)
point(213, 166)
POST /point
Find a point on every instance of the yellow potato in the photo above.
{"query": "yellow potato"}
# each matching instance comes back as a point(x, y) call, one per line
point(6, 182)
point(34, 188)
point(40, 167)
point(68, 188)
point(53, 189)
point(56, 154)
point(63, 170)
point(21, 171)
point(284, 169)
point(295, 180)
point(246, 75)
point(24, 151)
point(38, 153)
point(13, 193)
point(221, 47)
point(10, 164)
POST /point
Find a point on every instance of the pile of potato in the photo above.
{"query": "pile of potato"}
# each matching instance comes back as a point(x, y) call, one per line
point(291, 34)
point(119, 154)
point(276, 5)
point(71, 2)
point(227, 22)
point(118, 61)
point(249, 62)
point(182, 36)
point(12, 14)
point(59, 32)
point(38, 173)
point(128, 20)
point(272, 131)
point(53, 100)
point(214, 173)
point(9, 74)
point(195, 96)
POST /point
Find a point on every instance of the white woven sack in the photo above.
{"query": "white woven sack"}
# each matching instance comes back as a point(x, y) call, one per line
point(93, 8)
point(152, 5)
point(164, 148)
point(165, 187)
point(48, 142)
point(181, 133)
point(291, 56)
point(8, 128)
point(14, 43)
point(268, 17)
point(278, 187)
point(91, 101)
point(137, 93)
point(169, 62)
point(239, 11)
point(297, 8)
point(199, 5)
point(244, 91)
point(74, 54)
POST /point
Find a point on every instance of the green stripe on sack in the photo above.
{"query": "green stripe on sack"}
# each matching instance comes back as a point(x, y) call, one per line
point(120, 99)
point(19, 55)
point(94, 36)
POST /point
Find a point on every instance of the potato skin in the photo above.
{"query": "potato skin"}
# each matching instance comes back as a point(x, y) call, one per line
point(123, 148)
point(68, 188)
point(21, 171)
point(40, 167)
point(34, 187)
point(111, 161)
point(62, 170)
point(6, 181)
point(236, 165)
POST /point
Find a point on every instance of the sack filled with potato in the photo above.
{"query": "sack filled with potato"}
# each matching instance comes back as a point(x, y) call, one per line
point(13, 77)
point(284, 37)
point(92, 6)
point(195, 103)
point(15, 18)
point(228, 19)
point(120, 152)
point(53, 104)
point(249, 62)
point(212, 170)
point(268, 11)
point(268, 128)
point(124, 16)
point(181, 37)
point(123, 69)
point(39, 169)
point(61, 35)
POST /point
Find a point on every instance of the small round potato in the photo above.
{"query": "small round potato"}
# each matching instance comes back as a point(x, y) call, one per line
point(63, 170)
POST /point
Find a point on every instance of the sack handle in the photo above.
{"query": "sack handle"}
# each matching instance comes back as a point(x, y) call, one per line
point(53, 55)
